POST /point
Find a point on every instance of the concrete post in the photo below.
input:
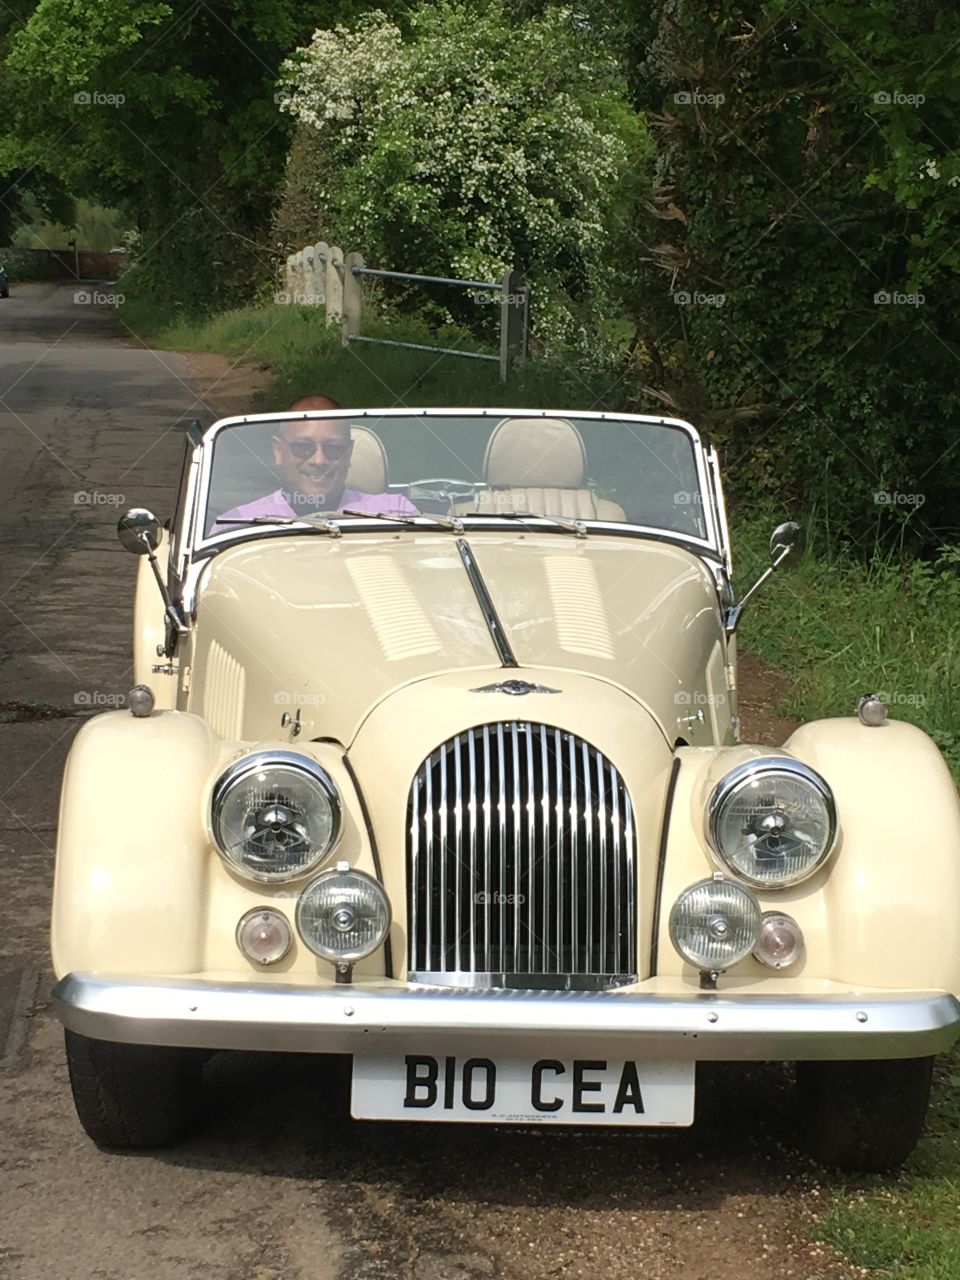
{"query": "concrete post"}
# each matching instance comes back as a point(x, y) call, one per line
point(514, 321)
point(320, 250)
point(289, 280)
point(333, 292)
point(352, 297)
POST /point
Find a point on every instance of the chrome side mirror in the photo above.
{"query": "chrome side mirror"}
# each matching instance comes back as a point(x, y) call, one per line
point(786, 547)
point(787, 543)
point(139, 531)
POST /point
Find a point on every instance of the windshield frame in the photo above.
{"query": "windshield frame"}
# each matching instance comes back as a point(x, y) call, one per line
point(198, 545)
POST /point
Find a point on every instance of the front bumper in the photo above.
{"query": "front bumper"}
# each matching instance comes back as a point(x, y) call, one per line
point(393, 1018)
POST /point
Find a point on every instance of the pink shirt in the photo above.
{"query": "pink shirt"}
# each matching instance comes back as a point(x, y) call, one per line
point(275, 504)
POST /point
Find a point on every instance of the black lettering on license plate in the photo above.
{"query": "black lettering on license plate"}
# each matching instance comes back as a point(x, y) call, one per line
point(554, 1085)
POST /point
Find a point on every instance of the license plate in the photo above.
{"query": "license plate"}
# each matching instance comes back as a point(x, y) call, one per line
point(589, 1091)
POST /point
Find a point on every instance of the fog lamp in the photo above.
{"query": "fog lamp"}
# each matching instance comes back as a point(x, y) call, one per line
point(343, 915)
point(715, 923)
point(264, 936)
point(781, 941)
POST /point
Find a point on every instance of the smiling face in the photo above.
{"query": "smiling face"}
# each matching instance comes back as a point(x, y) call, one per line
point(313, 458)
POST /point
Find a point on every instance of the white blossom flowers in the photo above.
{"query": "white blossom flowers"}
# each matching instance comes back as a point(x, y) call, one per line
point(470, 143)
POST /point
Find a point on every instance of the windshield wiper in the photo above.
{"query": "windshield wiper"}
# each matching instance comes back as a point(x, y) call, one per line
point(442, 522)
point(569, 526)
point(323, 525)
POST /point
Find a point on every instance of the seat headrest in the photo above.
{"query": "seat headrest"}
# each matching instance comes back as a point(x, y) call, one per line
point(368, 463)
point(535, 453)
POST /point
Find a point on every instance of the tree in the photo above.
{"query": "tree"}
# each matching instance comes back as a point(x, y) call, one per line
point(797, 286)
point(470, 142)
point(167, 111)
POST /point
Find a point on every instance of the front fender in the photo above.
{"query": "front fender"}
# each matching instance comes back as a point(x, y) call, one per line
point(884, 910)
point(131, 848)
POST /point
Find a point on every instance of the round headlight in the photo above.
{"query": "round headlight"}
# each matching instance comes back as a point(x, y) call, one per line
point(773, 822)
point(715, 923)
point(343, 915)
point(274, 815)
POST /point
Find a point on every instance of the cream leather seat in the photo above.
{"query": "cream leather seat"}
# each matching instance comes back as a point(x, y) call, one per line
point(539, 465)
point(368, 463)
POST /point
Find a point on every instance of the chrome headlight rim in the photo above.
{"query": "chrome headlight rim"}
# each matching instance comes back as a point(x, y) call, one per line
point(237, 772)
point(348, 958)
point(750, 771)
point(750, 905)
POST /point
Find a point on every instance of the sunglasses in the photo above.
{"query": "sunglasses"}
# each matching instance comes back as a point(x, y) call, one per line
point(333, 450)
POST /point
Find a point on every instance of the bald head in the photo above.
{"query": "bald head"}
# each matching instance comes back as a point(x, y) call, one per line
point(308, 403)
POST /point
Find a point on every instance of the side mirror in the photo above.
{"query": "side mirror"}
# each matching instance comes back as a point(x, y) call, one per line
point(786, 547)
point(139, 531)
point(787, 543)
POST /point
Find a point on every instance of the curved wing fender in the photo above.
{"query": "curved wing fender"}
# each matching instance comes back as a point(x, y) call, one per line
point(129, 890)
point(892, 896)
point(884, 910)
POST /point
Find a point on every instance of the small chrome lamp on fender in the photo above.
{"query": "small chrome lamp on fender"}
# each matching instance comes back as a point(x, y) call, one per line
point(343, 916)
point(714, 924)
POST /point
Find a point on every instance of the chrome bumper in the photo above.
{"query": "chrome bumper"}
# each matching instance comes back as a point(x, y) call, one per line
point(394, 1018)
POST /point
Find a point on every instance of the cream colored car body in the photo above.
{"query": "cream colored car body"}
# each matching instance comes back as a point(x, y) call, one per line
point(377, 643)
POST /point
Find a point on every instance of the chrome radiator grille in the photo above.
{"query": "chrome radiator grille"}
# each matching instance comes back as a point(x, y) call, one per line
point(520, 862)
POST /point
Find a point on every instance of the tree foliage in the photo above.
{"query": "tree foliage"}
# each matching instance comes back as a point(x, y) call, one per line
point(166, 110)
point(471, 142)
point(797, 284)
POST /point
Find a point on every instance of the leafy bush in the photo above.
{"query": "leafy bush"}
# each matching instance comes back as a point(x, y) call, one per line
point(797, 290)
point(471, 143)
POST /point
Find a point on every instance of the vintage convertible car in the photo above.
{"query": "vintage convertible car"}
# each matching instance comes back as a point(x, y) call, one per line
point(434, 761)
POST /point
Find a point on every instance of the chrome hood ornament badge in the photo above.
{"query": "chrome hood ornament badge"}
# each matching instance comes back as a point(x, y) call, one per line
point(516, 688)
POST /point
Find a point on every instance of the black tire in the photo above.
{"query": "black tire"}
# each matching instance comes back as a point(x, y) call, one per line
point(133, 1096)
point(863, 1117)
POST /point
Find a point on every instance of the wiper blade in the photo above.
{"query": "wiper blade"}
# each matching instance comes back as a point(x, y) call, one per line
point(442, 522)
point(577, 527)
point(323, 525)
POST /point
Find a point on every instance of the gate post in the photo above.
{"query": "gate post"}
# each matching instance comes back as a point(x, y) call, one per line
point(333, 292)
point(514, 321)
point(352, 297)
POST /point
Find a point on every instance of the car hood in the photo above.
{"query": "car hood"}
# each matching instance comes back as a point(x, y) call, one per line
point(327, 628)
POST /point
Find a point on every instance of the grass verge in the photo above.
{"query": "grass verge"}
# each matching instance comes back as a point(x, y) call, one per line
point(305, 356)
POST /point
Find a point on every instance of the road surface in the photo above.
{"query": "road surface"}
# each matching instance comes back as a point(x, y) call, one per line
point(280, 1184)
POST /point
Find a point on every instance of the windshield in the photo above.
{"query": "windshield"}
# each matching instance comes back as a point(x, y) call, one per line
point(346, 466)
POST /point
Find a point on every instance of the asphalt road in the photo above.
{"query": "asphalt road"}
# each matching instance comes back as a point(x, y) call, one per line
point(280, 1184)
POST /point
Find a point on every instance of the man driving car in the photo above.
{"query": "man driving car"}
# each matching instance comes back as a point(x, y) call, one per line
point(312, 457)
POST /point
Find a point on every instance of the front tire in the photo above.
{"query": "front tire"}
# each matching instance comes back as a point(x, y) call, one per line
point(863, 1117)
point(133, 1096)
